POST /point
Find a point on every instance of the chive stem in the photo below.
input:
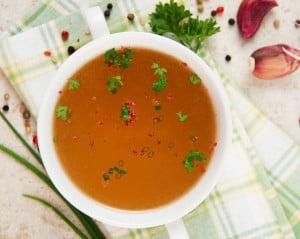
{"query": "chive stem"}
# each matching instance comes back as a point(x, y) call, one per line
point(60, 214)
point(30, 149)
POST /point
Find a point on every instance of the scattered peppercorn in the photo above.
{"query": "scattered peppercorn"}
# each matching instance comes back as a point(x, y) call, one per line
point(5, 108)
point(220, 10)
point(107, 13)
point(71, 50)
point(231, 21)
point(297, 23)
point(26, 114)
point(130, 16)
point(213, 13)
point(109, 6)
point(64, 35)
point(276, 23)
point(47, 53)
point(35, 139)
point(6, 96)
point(199, 1)
point(200, 8)
point(228, 58)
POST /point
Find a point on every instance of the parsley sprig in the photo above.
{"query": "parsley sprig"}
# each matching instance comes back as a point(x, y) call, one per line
point(182, 117)
point(73, 84)
point(162, 80)
point(114, 82)
point(118, 59)
point(193, 155)
point(174, 21)
point(63, 112)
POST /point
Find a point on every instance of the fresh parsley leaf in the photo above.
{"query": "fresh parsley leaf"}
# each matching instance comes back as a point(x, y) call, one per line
point(118, 59)
point(188, 161)
point(124, 113)
point(195, 79)
point(182, 117)
point(113, 82)
point(62, 112)
point(174, 21)
point(73, 84)
point(158, 70)
point(160, 84)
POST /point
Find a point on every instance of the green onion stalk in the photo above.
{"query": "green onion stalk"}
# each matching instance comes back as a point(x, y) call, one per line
point(92, 229)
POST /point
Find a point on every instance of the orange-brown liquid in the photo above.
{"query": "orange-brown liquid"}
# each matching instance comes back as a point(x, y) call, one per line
point(151, 151)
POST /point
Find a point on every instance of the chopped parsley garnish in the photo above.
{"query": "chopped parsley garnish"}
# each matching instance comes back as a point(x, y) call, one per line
point(182, 117)
point(194, 79)
point(124, 116)
point(118, 59)
point(73, 84)
point(113, 83)
point(62, 112)
point(157, 107)
point(188, 161)
point(173, 20)
point(161, 82)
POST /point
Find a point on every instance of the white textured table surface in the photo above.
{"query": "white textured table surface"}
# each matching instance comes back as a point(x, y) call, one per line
point(279, 99)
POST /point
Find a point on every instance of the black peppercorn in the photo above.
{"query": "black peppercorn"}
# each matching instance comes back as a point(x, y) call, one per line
point(130, 16)
point(71, 50)
point(109, 6)
point(5, 108)
point(107, 13)
point(213, 13)
point(231, 21)
point(26, 114)
point(227, 57)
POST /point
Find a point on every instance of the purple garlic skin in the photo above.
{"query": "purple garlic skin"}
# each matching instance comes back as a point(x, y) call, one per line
point(275, 61)
point(251, 14)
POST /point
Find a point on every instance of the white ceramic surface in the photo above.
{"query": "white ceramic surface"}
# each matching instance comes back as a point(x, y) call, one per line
point(102, 212)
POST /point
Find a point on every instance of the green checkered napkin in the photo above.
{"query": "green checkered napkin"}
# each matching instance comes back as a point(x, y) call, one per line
point(258, 194)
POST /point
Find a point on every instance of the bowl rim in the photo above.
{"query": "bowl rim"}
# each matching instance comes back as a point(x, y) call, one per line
point(120, 217)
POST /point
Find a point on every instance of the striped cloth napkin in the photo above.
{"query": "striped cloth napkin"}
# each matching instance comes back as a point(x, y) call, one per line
point(258, 194)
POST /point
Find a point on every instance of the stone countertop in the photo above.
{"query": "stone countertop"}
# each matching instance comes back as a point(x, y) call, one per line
point(278, 99)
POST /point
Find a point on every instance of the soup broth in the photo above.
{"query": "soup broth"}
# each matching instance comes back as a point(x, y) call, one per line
point(134, 128)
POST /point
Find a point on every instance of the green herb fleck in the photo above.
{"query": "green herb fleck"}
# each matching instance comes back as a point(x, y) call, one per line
point(73, 84)
point(124, 116)
point(158, 70)
point(118, 172)
point(62, 112)
point(195, 79)
point(113, 83)
point(174, 21)
point(118, 59)
point(157, 107)
point(182, 117)
point(193, 155)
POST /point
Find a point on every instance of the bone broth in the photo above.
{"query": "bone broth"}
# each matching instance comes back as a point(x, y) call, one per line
point(134, 128)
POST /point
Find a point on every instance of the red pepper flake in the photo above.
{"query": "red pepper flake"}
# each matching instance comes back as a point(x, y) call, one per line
point(212, 146)
point(47, 53)
point(151, 135)
point(91, 143)
point(75, 137)
point(220, 9)
point(94, 98)
point(99, 123)
point(35, 139)
point(184, 64)
point(169, 97)
point(64, 35)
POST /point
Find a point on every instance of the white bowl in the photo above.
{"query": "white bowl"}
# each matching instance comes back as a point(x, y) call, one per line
point(126, 218)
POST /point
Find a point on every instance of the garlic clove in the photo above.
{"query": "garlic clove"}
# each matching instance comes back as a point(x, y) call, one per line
point(251, 14)
point(275, 61)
